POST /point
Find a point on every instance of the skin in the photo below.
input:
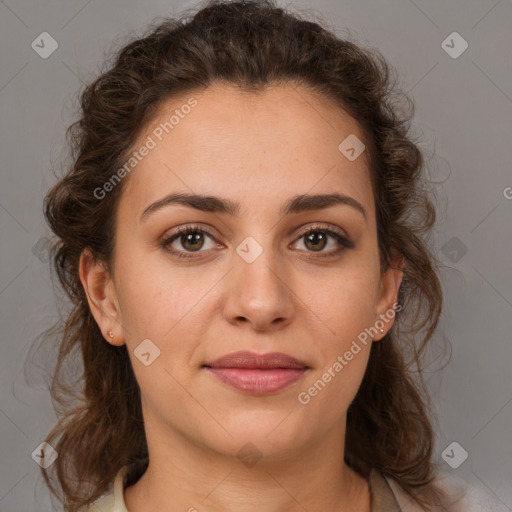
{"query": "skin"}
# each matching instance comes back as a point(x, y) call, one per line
point(258, 150)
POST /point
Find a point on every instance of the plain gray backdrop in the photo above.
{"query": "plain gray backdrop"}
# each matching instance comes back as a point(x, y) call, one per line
point(463, 99)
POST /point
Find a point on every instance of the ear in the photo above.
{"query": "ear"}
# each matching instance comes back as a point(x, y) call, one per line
point(101, 296)
point(390, 282)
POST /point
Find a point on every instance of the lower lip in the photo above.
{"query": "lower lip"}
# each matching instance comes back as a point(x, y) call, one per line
point(258, 381)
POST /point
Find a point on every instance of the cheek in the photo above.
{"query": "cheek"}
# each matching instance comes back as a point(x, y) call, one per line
point(330, 391)
point(341, 301)
point(348, 309)
point(342, 354)
point(155, 302)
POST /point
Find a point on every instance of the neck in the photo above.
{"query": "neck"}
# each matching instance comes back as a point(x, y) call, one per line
point(182, 475)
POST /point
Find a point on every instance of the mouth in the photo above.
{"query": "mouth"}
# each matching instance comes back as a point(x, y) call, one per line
point(257, 374)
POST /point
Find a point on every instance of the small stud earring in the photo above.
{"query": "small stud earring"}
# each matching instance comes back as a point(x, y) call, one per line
point(381, 330)
point(110, 335)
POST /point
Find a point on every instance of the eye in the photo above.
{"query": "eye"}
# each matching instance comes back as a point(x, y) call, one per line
point(189, 239)
point(316, 239)
point(193, 239)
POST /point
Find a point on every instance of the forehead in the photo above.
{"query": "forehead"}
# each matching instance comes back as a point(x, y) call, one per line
point(225, 141)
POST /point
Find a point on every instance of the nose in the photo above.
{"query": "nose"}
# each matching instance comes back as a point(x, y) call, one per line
point(259, 294)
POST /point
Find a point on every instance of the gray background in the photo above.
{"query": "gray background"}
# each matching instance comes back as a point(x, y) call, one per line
point(463, 114)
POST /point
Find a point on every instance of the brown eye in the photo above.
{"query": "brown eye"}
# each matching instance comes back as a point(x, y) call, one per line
point(316, 240)
point(323, 241)
point(192, 241)
point(187, 241)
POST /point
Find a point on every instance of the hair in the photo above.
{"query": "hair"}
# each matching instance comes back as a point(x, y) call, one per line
point(252, 45)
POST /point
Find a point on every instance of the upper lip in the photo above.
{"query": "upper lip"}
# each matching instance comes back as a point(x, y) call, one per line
point(245, 359)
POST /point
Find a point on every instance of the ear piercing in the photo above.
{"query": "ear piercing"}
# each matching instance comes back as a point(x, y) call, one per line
point(381, 329)
point(110, 335)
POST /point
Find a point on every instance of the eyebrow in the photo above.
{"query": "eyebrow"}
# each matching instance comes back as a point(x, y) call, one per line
point(212, 204)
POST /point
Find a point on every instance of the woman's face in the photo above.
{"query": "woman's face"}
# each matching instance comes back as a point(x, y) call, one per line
point(268, 267)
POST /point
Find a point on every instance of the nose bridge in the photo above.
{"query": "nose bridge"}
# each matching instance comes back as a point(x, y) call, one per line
point(260, 293)
point(259, 264)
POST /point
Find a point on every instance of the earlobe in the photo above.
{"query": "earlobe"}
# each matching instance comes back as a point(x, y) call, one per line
point(101, 296)
point(391, 280)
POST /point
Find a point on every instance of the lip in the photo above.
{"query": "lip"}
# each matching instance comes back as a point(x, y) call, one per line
point(257, 374)
point(252, 360)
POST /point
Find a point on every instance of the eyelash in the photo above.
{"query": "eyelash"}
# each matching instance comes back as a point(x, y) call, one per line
point(344, 242)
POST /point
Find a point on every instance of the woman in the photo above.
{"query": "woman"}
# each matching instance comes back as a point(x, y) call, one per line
point(242, 239)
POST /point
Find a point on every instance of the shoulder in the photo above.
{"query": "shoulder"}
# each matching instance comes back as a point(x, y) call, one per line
point(461, 497)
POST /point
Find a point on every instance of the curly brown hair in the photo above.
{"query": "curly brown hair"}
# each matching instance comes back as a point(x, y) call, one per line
point(252, 44)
